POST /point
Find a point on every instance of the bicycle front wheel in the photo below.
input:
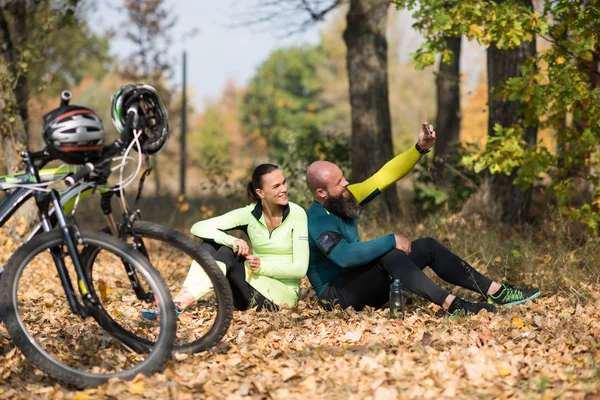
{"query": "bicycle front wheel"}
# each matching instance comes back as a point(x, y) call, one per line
point(203, 324)
point(72, 349)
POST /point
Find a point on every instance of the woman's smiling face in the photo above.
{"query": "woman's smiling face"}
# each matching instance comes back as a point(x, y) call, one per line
point(274, 188)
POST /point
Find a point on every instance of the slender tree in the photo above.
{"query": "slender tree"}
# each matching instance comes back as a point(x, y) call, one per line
point(503, 65)
point(149, 30)
point(13, 101)
point(448, 107)
point(365, 38)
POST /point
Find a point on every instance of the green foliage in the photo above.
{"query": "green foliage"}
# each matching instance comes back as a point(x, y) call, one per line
point(211, 139)
point(331, 147)
point(507, 150)
point(506, 24)
point(59, 48)
point(284, 104)
point(460, 183)
point(73, 52)
point(211, 144)
point(559, 89)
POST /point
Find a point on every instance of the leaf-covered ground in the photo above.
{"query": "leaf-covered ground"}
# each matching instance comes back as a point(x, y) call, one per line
point(546, 349)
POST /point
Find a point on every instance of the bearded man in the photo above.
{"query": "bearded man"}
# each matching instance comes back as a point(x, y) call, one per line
point(344, 270)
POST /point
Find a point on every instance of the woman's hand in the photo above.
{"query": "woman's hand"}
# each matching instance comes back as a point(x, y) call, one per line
point(240, 247)
point(253, 262)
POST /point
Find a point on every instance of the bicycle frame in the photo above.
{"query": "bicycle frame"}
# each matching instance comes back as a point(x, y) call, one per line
point(21, 194)
point(68, 201)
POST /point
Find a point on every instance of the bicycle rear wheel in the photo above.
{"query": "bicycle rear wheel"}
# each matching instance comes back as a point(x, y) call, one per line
point(203, 324)
point(67, 347)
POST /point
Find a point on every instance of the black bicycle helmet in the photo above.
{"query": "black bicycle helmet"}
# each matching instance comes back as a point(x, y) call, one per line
point(152, 115)
point(72, 133)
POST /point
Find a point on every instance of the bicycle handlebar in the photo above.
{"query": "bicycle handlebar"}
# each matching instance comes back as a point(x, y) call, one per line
point(79, 175)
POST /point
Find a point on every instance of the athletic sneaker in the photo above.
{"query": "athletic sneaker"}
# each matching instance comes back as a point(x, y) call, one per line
point(459, 305)
point(509, 295)
point(151, 315)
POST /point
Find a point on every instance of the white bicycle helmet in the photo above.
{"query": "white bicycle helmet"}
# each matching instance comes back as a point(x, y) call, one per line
point(151, 112)
point(73, 134)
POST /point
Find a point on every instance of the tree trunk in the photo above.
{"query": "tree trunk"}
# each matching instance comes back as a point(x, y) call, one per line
point(20, 39)
point(12, 126)
point(502, 65)
point(447, 123)
point(365, 38)
point(13, 103)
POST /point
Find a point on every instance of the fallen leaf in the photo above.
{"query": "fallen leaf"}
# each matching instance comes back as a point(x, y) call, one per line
point(137, 386)
point(287, 373)
point(353, 336)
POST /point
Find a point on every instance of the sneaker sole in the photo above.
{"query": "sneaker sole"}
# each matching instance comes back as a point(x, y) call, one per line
point(518, 302)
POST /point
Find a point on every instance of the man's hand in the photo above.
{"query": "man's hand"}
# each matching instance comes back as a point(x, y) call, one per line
point(402, 243)
point(425, 141)
point(241, 248)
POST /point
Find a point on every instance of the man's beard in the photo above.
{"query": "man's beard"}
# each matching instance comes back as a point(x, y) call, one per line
point(342, 206)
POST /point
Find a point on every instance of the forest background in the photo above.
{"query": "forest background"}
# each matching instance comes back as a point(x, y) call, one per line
point(512, 183)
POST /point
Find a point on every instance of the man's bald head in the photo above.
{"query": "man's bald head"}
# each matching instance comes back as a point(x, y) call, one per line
point(329, 188)
point(318, 175)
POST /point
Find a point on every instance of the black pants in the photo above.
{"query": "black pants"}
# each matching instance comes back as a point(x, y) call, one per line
point(370, 284)
point(244, 295)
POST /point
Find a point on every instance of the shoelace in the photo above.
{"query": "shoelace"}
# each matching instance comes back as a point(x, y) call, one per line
point(513, 294)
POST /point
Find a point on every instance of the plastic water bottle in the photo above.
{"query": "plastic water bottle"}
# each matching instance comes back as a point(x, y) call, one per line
point(396, 297)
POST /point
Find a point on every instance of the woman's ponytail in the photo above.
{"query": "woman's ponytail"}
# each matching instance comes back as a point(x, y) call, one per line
point(251, 192)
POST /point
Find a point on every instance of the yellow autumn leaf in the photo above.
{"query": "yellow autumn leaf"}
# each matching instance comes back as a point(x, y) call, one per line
point(560, 60)
point(547, 258)
point(474, 30)
point(102, 289)
point(517, 321)
point(504, 371)
point(587, 55)
point(136, 387)
point(21, 227)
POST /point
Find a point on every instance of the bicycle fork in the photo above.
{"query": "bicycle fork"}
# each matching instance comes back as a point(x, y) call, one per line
point(69, 238)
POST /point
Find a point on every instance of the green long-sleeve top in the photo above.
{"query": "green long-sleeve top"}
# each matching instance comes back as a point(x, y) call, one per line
point(334, 242)
point(283, 252)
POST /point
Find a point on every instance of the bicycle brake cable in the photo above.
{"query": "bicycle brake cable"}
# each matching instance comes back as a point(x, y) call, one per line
point(143, 178)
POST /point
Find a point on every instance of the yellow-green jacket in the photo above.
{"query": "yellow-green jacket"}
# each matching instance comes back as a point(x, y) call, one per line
point(283, 252)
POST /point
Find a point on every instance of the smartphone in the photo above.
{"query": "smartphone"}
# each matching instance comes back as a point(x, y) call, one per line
point(429, 134)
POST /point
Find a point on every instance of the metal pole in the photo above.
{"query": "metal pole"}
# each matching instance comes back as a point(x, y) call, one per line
point(183, 128)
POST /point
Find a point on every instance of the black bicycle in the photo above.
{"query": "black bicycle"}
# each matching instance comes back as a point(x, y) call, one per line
point(203, 324)
point(39, 277)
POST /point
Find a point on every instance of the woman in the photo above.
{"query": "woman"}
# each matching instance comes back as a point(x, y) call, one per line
point(268, 272)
